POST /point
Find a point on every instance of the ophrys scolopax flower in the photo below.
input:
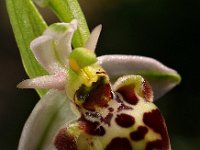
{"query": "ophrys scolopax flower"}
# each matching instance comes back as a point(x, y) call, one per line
point(94, 102)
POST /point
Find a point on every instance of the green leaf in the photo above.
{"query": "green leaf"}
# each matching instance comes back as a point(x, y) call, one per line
point(27, 24)
point(67, 10)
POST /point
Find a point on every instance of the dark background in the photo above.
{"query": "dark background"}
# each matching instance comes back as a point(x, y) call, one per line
point(167, 30)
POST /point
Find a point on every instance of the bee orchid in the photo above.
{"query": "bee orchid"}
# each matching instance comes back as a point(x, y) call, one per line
point(95, 102)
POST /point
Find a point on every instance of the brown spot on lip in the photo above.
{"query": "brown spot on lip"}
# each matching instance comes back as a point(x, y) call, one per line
point(98, 96)
point(108, 118)
point(157, 145)
point(139, 134)
point(92, 128)
point(119, 144)
point(125, 120)
point(128, 94)
point(156, 122)
point(65, 141)
point(111, 109)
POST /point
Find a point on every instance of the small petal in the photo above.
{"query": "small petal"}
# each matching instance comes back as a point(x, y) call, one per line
point(93, 39)
point(53, 47)
point(50, 114)
point(56, 81)
point(161, 78)
point(62, 35)
point(43, 50)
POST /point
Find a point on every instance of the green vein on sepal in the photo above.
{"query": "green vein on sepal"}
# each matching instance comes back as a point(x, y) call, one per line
point(27, 24)
point(161, 76)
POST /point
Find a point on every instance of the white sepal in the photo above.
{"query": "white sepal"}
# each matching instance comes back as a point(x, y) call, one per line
point(93, 39)
point(43, 50)
point(56, 81)
point(62, 34)
point(50, 114)
point(52, 48)
point(161, 77)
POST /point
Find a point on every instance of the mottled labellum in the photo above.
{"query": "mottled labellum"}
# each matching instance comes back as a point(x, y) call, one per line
point(108, 115)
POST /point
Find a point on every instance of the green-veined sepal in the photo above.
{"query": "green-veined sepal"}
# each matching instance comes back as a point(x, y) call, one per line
point(161, 77)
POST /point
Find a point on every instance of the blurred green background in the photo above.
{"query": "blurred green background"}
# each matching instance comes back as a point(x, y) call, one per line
point(167, 30)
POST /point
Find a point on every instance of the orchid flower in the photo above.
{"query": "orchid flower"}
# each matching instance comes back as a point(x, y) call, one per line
point(94, 102)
